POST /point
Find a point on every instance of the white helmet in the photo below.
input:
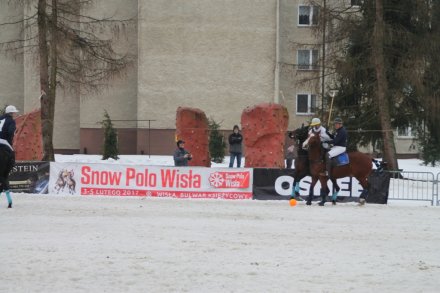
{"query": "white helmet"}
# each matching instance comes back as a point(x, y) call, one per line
point(11, 109)
point(315, 121)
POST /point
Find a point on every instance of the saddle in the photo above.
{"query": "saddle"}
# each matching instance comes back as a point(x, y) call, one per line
point(341, 160)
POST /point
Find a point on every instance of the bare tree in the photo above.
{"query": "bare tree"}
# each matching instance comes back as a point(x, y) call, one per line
point(75, 51)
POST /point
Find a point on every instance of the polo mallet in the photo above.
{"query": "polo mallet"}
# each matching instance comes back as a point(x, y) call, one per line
point(332, 94)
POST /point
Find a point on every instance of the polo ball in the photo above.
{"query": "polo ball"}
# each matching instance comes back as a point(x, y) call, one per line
point(292, 202)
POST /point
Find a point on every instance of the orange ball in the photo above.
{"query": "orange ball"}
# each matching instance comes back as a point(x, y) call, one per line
point(292, 202)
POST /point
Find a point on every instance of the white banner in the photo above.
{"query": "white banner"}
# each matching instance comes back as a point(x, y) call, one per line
point(134, 180)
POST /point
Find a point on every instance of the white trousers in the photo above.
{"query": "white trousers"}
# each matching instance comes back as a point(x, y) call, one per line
point(336, 150)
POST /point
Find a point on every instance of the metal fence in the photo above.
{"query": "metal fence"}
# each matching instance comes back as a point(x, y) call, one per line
point(407, 185)
point(436, 191)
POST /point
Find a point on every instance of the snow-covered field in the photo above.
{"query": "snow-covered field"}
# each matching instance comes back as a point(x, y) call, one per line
point(108, 244)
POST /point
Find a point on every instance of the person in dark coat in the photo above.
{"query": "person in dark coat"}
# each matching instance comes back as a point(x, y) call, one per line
point(181, 156)
point(235, 146)
point(7, 155)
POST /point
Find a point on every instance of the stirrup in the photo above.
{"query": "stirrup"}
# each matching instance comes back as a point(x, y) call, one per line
point(324, 174)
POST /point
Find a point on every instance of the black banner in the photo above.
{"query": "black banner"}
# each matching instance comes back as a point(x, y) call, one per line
point(276, 184)
point(379, 184)
point(30, 177)
point(272, 184)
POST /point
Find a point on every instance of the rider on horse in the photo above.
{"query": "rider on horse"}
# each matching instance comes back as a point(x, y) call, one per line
point(7, 156)
point(317, 128)
point(339, 142)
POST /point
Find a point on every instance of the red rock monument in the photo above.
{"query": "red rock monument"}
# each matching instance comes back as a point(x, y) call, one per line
point(28, 144)
point(264, 127)
point(192, 127)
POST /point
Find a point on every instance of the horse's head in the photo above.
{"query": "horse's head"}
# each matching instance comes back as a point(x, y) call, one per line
point(312, 142)
point(300, 134)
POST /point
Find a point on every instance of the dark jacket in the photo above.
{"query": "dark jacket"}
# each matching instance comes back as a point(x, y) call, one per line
point(340, 137)
point(235, 141)
point(179, 159)
point(7, 128)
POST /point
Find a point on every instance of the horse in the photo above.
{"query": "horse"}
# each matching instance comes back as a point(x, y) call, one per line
point(71, 183)
point(302, 165)
point(302, 169)
point(359, 166)
point(61, 181)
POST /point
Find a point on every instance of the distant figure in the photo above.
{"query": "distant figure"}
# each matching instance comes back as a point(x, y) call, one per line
point(290, 155)
point(235, 146)
point(7, 155)
point(181, 156)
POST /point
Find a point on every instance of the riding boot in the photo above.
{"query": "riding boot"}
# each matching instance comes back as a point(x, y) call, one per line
point(8, 196)
point(323, 198)
point(328, 165)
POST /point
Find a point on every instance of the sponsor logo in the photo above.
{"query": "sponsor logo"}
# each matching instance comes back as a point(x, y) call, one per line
point(229, 179)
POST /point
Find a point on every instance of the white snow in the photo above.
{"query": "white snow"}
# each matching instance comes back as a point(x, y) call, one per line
point(132, 244)
point(108, 244)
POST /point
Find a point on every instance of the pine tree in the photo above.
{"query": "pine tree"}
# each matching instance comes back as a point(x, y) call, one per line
point(110, 149)
point(217, 145)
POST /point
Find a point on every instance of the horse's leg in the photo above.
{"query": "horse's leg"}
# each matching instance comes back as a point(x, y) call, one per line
point(324, 190)
point(364, 193)
point(295, 187)
point(336, 193)
point(312, 187)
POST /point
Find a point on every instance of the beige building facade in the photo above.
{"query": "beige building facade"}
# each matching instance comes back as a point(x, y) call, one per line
point(217, 55)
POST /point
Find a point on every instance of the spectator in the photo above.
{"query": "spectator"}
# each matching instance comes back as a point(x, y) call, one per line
point(181, 156)
point(290, 155)
point(235, 146)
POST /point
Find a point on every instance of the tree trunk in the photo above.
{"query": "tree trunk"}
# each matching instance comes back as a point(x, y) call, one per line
point(389, 149)
point(48, 79)
point(53, 69)
point(46, 121)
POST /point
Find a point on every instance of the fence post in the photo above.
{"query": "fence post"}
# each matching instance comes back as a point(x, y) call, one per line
point(436, 190)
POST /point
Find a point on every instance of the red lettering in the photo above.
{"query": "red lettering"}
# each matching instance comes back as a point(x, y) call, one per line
point(85, 178)
point(131, 172)
point(168, 177)
point(88, 176)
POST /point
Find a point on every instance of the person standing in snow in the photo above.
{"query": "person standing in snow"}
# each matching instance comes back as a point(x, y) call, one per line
point(181, 156)
point(7, 155)
point(235, 146)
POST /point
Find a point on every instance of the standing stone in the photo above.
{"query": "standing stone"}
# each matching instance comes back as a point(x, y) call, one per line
point(28, 144)
point(264, 127)
point(192, 127)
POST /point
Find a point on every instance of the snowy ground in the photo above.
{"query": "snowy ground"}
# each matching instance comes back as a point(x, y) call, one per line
point(108, 244)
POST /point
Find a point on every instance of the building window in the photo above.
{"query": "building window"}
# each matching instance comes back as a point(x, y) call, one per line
point(356, 2)
point(308, 15)
point(405, 132)
point(305, 104)
point(307, 59)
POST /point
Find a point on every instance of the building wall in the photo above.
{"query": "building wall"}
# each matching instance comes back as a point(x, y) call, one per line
point(119, 97)
point(11, 73)
point(294, 81)
point(218, 56)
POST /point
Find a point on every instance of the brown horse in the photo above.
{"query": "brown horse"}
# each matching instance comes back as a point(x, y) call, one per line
point(302, 164)
point(360, 167)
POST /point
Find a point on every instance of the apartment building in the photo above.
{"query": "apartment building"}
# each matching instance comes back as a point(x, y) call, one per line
point(219, 56)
